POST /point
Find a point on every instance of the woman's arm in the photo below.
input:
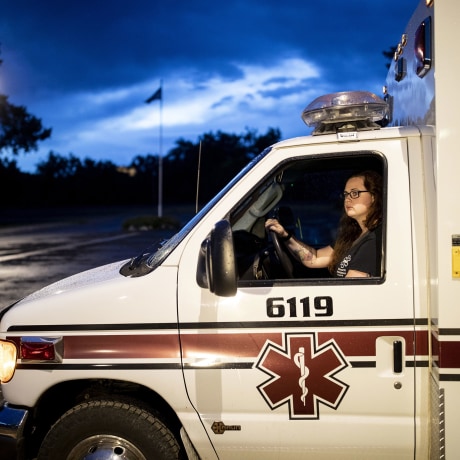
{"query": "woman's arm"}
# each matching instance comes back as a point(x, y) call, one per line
point(356, 274)
point(308, 256)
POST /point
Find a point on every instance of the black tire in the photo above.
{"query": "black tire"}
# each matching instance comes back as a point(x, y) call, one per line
point(104, 429)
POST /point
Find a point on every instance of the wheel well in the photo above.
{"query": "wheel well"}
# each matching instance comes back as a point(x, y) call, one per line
point(61, 397)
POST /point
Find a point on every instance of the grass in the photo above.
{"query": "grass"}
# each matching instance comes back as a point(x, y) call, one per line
point(147, 222)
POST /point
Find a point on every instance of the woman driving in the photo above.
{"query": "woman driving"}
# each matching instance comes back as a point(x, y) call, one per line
point(356, 250)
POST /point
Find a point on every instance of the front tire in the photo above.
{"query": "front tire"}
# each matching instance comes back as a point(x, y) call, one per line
point(105, 429)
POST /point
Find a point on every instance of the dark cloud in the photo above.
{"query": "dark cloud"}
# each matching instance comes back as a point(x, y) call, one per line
point(58, 54)
point(224, 101)
point(99, 43)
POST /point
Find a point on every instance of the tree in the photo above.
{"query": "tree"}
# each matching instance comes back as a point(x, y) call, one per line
point(19, 130)
point(389, 54)
point(222, 156)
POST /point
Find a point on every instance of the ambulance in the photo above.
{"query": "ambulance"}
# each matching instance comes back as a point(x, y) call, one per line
point(217, 344)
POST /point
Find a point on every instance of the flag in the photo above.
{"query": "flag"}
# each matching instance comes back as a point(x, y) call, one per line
point(156, 95)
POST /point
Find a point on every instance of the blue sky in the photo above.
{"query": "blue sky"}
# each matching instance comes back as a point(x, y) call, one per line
point(85, 68)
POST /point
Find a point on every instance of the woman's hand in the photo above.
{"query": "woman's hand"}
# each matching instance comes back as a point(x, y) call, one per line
point(307, 255)
point(273, 225)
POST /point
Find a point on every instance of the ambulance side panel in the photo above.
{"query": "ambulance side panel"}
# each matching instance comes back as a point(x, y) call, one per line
point(272, 378)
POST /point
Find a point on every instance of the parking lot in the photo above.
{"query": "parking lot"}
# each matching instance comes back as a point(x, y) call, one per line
point(37, 254)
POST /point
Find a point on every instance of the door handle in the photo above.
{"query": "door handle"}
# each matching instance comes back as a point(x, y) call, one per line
point(397, 356)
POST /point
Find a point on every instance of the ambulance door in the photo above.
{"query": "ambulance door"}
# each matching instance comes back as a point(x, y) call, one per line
point(299, 364)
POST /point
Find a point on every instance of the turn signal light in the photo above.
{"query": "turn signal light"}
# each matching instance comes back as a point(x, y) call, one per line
point(43, 349)
point(37, 351)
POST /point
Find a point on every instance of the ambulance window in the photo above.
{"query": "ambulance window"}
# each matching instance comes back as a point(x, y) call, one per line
point(305, 195)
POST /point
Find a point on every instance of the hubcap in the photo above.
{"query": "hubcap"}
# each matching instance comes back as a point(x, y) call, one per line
point(105, 447)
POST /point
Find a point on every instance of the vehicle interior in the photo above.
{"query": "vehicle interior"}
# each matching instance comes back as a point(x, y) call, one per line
point(304, 194)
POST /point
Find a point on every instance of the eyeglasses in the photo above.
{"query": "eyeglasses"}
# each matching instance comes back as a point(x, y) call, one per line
point(353, 194)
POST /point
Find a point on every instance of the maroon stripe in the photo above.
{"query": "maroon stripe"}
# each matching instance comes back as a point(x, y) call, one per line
point(249, 345)
point(363, 343)
point(235, 345)
point(121, 346)
point(229, 345)
point(449, 355)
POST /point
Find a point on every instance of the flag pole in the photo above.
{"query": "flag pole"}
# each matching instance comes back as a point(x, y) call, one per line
point(158, 95)
point(160, 157)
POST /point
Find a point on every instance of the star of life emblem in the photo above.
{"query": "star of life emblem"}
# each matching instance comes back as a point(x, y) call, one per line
point(302, 375)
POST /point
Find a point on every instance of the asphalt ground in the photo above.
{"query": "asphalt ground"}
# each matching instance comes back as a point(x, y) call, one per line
point(39, 248)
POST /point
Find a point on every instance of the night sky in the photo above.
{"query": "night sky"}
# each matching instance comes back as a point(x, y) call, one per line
point(86, 68)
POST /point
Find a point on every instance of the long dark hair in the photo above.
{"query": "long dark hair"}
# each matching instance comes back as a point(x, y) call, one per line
point(349, 229)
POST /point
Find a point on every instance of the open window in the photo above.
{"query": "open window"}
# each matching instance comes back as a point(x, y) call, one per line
point(305, 195)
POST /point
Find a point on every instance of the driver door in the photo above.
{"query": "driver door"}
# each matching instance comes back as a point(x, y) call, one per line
point(306, 366)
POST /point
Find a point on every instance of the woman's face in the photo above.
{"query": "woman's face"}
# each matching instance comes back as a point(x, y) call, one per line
point(357, 208)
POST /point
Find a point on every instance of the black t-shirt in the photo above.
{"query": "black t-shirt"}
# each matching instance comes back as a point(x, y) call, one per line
point(363, 256)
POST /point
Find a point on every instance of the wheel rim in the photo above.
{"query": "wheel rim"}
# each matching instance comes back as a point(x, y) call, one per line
point(105, 447)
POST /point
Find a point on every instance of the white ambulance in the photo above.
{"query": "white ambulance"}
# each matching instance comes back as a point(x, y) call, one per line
point(217, 344)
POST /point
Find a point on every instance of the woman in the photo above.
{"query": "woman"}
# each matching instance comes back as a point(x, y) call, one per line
point(356, 250)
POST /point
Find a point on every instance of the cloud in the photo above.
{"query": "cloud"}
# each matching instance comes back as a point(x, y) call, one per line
point(86, 69)
point(215, 104)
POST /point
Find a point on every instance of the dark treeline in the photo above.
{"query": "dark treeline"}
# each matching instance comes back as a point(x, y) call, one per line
point(69, 181)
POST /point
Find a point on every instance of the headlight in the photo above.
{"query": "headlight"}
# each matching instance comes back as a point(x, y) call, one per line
point(8, 354)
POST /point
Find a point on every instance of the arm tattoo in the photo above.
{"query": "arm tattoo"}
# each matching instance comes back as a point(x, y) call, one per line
point(305, 253)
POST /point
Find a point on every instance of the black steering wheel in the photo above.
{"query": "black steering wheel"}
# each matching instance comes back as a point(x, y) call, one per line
point(280, 251)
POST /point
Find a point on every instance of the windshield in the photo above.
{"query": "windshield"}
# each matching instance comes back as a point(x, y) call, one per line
point(154, 256)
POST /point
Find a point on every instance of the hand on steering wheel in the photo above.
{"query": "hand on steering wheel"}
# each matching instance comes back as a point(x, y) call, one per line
point(280, 251)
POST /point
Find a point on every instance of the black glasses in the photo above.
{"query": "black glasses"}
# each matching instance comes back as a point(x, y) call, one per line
point(353, 194)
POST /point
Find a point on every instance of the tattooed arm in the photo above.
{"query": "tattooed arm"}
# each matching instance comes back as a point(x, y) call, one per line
point(307, 255)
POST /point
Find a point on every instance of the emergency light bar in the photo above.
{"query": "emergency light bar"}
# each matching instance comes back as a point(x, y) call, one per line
point(345, 111)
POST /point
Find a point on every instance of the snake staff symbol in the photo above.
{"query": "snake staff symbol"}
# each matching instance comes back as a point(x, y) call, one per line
point(299, 359)
point(317, 365)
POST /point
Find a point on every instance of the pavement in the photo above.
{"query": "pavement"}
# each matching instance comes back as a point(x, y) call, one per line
point(40, 247)
point(35, 252)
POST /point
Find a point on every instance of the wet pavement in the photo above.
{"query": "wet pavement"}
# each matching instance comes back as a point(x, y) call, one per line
point(42, 249)
point(37, 254)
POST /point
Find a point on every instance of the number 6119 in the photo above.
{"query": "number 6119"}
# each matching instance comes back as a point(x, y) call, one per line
point(277, 307)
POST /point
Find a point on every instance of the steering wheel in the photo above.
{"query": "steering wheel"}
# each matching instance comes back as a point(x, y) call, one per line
point(280, 251)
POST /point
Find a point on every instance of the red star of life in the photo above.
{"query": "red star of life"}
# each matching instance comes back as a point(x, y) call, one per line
point(302, 375)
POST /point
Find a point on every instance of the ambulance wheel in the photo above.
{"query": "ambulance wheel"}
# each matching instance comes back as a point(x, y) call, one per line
point(284, 260)
point(112, 430)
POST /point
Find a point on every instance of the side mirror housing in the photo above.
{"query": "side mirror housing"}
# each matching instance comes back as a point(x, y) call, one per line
point(216, 269)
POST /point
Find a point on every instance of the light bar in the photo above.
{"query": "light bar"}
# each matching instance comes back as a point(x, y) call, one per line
point(347, 107)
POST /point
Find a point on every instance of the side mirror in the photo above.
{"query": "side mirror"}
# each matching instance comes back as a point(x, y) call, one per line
point(216, 269)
